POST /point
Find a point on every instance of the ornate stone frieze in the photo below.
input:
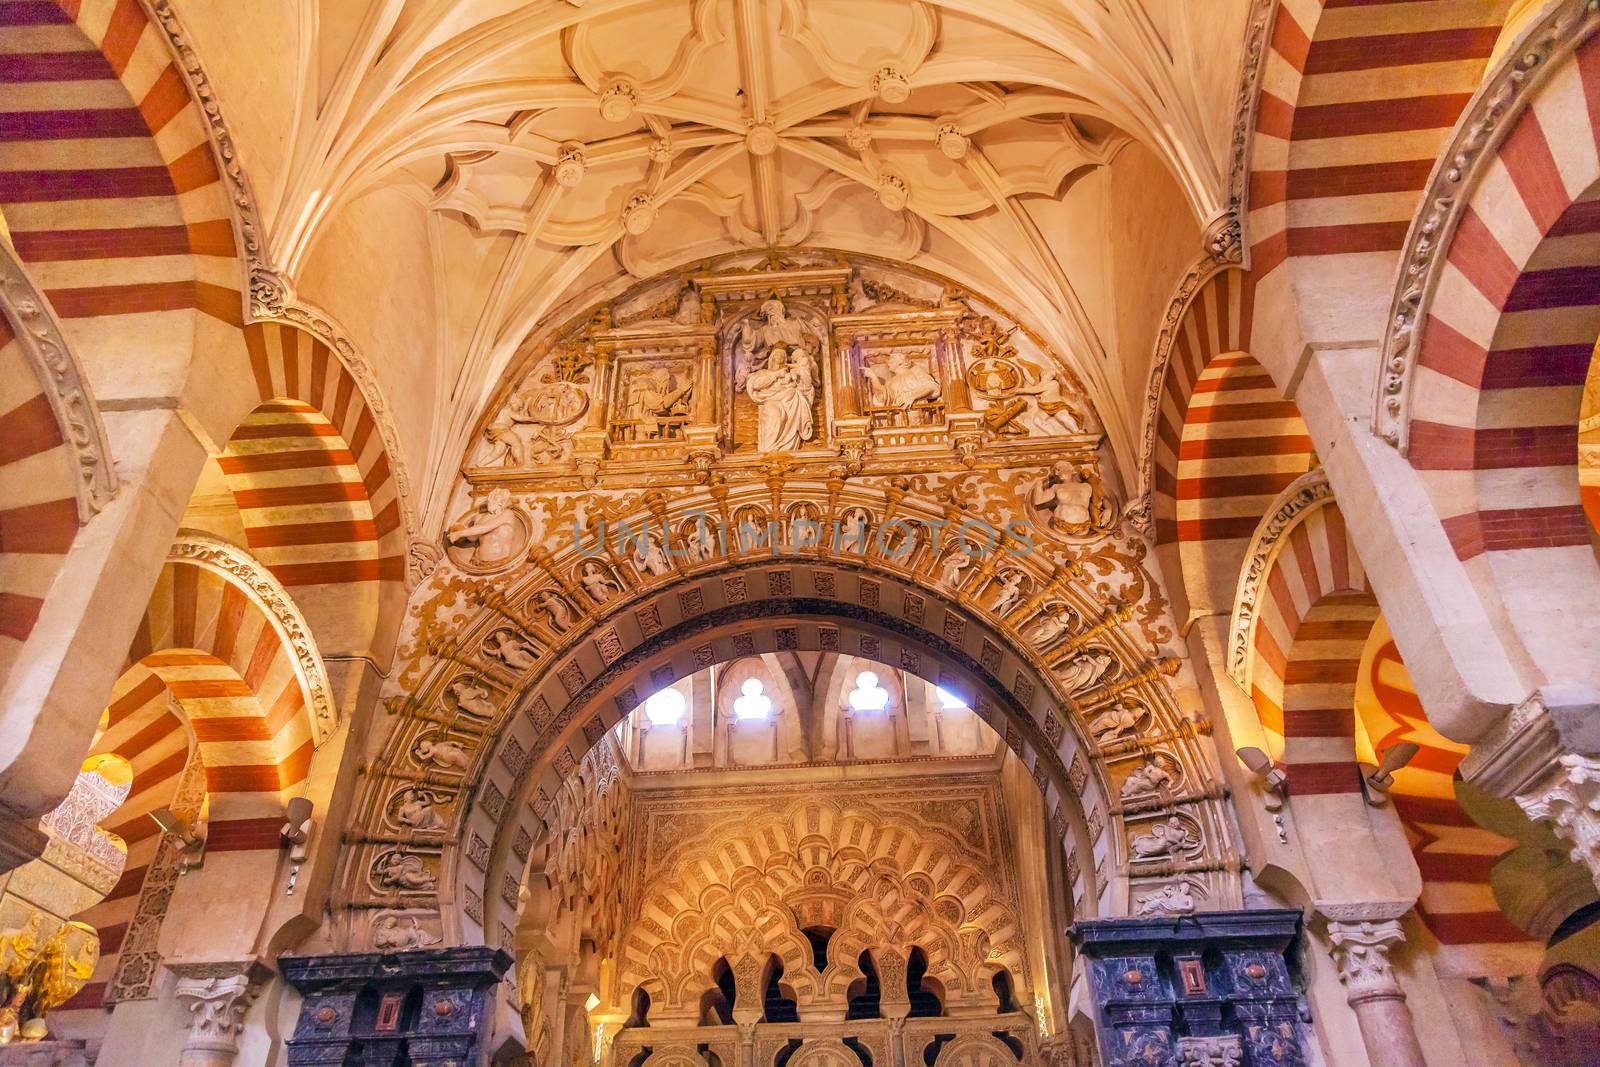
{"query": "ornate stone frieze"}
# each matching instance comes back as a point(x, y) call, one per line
point(1466, 158)
point(241, 569)
point(62, 381)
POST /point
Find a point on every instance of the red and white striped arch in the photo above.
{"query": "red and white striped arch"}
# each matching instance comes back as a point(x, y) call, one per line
point(1305, 612)
point(214, 676)
point(314, 485)
point(1454, 855)
point(1225, 443)
point(110, 187)
point(1357, 99)
point(1324, 675)
point(1508, 335)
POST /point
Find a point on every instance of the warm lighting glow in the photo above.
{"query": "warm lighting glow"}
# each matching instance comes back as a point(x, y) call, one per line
point(949, 700)
point(665, 707)
point(754, 704)
point(868, 695)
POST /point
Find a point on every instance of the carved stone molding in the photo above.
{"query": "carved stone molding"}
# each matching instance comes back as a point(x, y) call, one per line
point(1252, 63)
point(1568, 798)
point(39, 335)
point(271, 295)
point(1304, 495)
point(216, 994)
point(1361, 937)
point(1223, 239)
point(242, 569)
point(1200, 271)
point(1499, 101)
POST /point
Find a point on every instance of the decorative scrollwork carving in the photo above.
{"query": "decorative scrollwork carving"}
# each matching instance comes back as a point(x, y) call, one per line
point(39, 336)
point(242, 570)
point(1306, 493)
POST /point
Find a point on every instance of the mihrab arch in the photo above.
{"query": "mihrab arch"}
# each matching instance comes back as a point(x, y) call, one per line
point(527, 730)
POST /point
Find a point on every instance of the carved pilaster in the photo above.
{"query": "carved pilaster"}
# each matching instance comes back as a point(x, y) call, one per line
point(216, 996)
point(1568, 798)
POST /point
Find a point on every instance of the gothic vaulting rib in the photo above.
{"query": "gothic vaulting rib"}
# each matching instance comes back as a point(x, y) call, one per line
point(800, 533)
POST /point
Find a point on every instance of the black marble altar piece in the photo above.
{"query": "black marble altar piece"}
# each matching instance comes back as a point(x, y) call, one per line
point(1213, 988)
point(424, 1008)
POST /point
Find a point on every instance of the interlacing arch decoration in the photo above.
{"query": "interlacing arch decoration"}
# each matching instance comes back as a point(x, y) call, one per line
point(1353, 111)
point(597, 656)
point(750, 892)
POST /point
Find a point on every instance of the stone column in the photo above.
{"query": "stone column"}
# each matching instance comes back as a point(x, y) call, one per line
point(1361, 938)
point(216, 996)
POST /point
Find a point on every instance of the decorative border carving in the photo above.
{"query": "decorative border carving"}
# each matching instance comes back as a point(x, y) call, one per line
point(271, 297)
point(1499, 101)
point(242, 569)
point(1303, 496)
point(1194, 279)
point(1252, 66)
point(39, 335)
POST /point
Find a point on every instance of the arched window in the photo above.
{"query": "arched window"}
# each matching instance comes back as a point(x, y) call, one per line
point(665, 707)
point(868, 695)
point(753, 703)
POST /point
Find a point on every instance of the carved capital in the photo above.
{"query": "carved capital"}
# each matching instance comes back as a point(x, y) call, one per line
point(1224, 239)
point(1360, 950)
point(1222, 1050)
point(216, 994)
point(1568, 798)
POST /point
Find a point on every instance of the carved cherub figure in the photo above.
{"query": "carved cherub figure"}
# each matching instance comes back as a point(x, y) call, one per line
point(511, 650)
point(597, 582)
point(1163, 839)
point(473, 699)
point(416, 810)
point(444, 754)
point(555, 607)
point(1011, 591)
point(400, 870)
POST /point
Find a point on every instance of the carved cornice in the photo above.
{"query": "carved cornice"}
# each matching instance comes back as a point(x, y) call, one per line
point(1304, 495)
point(1252, 64)
point(39, 335)
point(245, 571)
point(1499, 101)
point(1199, 273)
point(271, 297)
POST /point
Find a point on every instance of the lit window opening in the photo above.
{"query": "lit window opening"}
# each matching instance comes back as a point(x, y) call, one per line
point(868, 695)
point(753, 704)
point(665, 707)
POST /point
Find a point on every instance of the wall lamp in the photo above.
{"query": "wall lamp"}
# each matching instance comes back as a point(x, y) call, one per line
point(1377, 781)
point(191, 836)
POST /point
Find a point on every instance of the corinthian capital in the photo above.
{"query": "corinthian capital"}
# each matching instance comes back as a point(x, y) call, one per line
point(216, 996)
point(1361, 952)
point(1568, 798)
